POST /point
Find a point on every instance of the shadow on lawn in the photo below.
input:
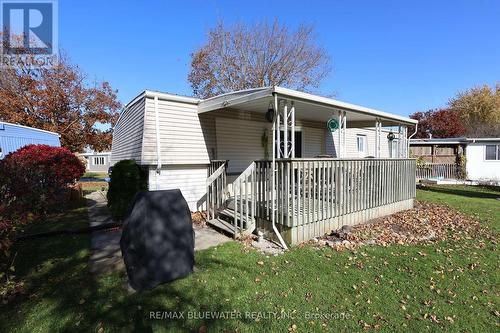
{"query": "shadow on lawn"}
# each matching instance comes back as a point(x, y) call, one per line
point(62, 295)
point(464, 193)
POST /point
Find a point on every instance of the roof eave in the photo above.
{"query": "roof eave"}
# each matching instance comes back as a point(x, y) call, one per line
point(222, 101)
point(343, 105)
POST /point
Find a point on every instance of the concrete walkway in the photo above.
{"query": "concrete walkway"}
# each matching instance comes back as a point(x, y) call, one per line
point(205, 237)
point(106, 255)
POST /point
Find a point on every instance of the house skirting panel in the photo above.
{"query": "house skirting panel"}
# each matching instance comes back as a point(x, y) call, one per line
point(297, 234)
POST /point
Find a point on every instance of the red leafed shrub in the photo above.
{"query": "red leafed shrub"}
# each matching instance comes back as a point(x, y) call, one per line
point(36, 176)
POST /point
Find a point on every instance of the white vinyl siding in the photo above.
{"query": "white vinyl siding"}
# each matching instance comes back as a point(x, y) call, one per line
point(190, 179)
point(181, 135)
point(207, 122)
point(128, 134)
point(314, 141)
point(478, 167)
point(352, 144)
point(239, 141)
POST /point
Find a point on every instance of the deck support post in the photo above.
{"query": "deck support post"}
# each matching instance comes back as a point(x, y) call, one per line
point(400, 141)
point(292, 121)
point(341, 152)
point(378, 137)
point(339, 133)
point(276, 153)
point(344, 133)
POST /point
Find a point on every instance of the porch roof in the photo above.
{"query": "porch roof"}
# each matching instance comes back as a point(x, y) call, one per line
point(307, 106)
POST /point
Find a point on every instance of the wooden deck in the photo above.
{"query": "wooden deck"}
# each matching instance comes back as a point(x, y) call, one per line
point(316, 191)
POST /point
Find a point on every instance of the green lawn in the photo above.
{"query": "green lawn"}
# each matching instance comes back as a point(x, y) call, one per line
point(89, 187)
point(96, 175)
point(479, 201)
point(447, 286)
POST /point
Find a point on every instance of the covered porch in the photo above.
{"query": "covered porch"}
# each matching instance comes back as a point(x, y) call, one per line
point(294, 195)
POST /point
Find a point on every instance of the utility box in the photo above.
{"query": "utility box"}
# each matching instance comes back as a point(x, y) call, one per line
point(158, 239)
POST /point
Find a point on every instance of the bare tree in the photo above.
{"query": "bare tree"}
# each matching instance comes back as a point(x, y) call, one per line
point(241, 57)
point(479, 110)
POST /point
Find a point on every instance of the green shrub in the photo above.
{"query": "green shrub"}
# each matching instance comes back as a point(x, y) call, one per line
point(127, 178)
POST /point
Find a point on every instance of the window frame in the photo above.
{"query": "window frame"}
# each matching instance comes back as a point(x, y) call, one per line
point(365, 144)
point(497, 153)
point(99, 159)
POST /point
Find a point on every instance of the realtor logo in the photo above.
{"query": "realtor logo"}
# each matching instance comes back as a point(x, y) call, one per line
point(29, 32)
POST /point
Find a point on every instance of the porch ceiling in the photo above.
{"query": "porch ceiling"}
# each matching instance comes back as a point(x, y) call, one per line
point(307, 107)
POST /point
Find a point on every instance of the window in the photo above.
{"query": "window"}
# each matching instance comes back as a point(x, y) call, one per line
point(492, 152)
point(361, 141)
point(98, 160)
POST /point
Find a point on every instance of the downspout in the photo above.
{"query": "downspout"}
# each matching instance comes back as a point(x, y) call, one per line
point(273, 191)
point(408, 143)
point(158, 148)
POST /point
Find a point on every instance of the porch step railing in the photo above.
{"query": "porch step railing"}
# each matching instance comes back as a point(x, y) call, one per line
point(438, 170)
point(216, 184)
point(244, 201)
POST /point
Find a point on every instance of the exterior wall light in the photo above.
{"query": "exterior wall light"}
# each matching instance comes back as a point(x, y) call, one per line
point(270, 113)
point(391, 136)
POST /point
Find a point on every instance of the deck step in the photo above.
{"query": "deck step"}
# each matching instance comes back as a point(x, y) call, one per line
point(224, 222)
point(228, 215)
point(222, 225)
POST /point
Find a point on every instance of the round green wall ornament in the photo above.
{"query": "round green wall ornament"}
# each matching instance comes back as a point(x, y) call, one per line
point(332, 125)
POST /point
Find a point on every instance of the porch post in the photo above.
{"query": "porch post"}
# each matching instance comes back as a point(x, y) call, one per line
point(405, 136)
point(292, 116)
point(274, 210)
point(285, 130)
point(276, 126)
point(344, 131)
point(339, 150)
point(379, 138)
point(273, 165)
point(400, 142)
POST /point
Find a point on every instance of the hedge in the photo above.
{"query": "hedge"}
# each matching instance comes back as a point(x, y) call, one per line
point(127, 178)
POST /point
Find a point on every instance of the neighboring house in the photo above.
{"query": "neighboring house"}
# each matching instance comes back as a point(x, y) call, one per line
point(225, 145)
point(442, 158)
point(97, 161)
point(13, 137)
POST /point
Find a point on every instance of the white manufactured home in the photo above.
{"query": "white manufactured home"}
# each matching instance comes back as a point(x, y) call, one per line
point(291, 163)
point(441, 157)
point(97, 161)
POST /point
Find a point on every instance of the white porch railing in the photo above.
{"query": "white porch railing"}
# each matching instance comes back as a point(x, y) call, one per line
point(438, 170)
point(311, 190)
point(245, 200)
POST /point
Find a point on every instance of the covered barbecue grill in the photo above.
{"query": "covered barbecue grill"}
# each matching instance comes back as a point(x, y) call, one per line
point(158, 239)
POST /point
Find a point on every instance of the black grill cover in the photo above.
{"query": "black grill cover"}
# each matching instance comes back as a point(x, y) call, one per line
point(158, 239)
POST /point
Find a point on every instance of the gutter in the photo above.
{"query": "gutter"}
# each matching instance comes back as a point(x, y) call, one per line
point(158, 148)
point(408, 141)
